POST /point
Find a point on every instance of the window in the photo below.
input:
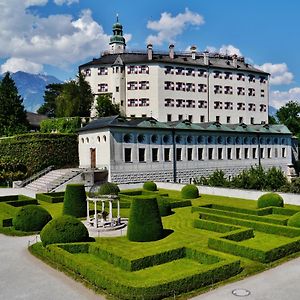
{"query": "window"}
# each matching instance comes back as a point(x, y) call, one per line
point(218, 105)
point(241, 120)
point(262, 79)
point(169, 102)
point(167, 154)
point(189, 153)
point(254, 153)
point(142, 155)
point(228, 119)
point(228, 75)
point(238, 153)
point(275, 152)
point(178, 154)
point(240, 91)
point(190, 103)
point(144, 85)
point(190, 118)
point(251, 78)
point(190, 87)
point(262, 108)
point(228, 90)
point(246, 153)
point(240, 77)
point(283, 152)
point(102, 71)
point(179, 71)
point(202, 88)
point(220, 153)
point(251, 92)
point(229, 153)
point(269, 152)
point(144, 102)
point(202, 73)
point(132, 70)
point(251, 106)
point(180, 117)
point(252, 120)
point(144, 69)
point(180, 103)
point(132, 85)
point(144, 115)
point(169, 118)
point(180, 86)
point(210, 153)
point(127, 154)
point(200, 153)
point(190, 72)
point(169, 85)
point(218, 119)
point(218, 89)
point(217, 74)
point(117, 89)
point(202, 119)
point(228, 105)
point(154, 154)
point(169, 70)
point(132, 102)
point(262, 93)
point(240, 106)
point(202, 104)
point(102, 87)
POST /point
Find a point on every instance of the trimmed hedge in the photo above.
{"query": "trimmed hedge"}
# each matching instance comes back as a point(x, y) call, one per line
point(269, 199)
point(164, 207)
point(31, 218)
point(108, 188)
point(65, 229)
point(61, 125)
point(294, 220)
point(214, 271)
point(189, 191)
point(150, 186)
point(144, 223)
point(36, 151)
point(51, 197)
point(75, 201)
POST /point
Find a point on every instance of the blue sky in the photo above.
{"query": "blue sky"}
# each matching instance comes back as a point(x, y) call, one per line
point(55, 36)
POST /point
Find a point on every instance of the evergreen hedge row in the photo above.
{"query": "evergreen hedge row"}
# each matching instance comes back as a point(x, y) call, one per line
point(51, 197)
point(37, 151)
point(75, 201)
point(214, 271)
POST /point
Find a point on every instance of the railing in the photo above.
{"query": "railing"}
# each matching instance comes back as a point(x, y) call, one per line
point(63, 181)
point(35, 176)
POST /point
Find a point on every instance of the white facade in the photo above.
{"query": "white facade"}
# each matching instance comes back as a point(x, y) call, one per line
point(201, 87)
point(150, 150)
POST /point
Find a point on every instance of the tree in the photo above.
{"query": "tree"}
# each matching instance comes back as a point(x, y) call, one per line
point(105, 107)
point(12, 113)
point(272, 120)
point(289, 116)
point(51, 93)
point(75, 99)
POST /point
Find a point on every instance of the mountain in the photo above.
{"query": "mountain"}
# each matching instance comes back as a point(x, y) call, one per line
point(272, 111)
point(31, 87)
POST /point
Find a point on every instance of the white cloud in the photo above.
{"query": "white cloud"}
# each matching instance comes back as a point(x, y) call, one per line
point(20, 64)
point(29, 3)
point(68, 2)
point(225, 49)
point(280, 98)
point(169, 27)
point(279, 73)
point(58, 40)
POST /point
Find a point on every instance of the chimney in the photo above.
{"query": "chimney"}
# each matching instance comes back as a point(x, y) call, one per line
point(150, 51)
point(193, 51)
point(206, 58)
point(234, 60)
point(171, 51)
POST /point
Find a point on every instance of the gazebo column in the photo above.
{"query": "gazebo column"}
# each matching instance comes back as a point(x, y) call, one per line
point(88, 211)
point(118, 216)
point(95, 216)
point(110, 211)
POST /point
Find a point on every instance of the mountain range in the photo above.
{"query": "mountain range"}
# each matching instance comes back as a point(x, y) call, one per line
point(31, 87)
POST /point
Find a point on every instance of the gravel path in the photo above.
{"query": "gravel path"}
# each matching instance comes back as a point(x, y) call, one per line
point(22, 276)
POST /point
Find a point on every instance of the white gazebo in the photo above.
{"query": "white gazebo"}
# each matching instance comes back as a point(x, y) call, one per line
point(97, 220)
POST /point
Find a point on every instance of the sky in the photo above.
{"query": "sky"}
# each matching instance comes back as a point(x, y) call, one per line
point(55, 36)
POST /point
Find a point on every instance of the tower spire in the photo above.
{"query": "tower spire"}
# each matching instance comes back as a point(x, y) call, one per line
point(117, 41)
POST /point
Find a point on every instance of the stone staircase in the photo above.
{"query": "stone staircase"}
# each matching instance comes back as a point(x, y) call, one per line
point(52, 180)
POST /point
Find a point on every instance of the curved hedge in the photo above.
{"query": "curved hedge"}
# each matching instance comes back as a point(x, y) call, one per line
point(144, 223)
point(294, 220)
point(65, 229)
point(190, 191)
point(31, 218)
point(108, 188)
point(75, 201)
point(37, 151)
point(164, 207)
point(150, 186)
point(269, 199)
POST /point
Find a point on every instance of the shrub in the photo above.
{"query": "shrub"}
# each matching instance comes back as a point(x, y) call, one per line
point(61, 125)
point(189, 191)
point(144, 223)
point(65, 229)
point(75, 201)
point(269, 199)
point(164, 207)
point(294, 220)
point(108, 188)
point(150, 186)
point(31, 218)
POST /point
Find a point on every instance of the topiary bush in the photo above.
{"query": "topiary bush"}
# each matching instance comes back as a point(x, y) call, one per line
point(269, 199)
point(65, 229)
point(150, 186)
point(294, 220)
point(144, 223)
point(189, 191)
point(75, 201)
point(31, 218)
point(164, 207)
point(108, 188)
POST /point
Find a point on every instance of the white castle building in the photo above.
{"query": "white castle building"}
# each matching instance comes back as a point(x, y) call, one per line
point(188, 114)
point(198, 86)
